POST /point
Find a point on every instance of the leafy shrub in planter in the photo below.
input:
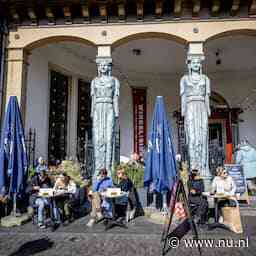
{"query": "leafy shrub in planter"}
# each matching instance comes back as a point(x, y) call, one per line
point(31, 172)
point(72, 169)
point(134, 172)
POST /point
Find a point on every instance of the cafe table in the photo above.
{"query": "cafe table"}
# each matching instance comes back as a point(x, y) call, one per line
point(52, 195)
point(112, 197)
point(217, 198)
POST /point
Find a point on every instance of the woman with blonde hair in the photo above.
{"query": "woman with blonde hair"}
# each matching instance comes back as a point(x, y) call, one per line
point(219, 170)
point(223, 184)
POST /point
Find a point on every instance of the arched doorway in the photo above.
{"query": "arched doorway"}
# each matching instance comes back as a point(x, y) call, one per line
point(230, 64)
point(58, 96)
point(147, 65)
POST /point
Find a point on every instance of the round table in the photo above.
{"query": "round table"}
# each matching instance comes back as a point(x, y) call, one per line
point(112, 197)
point(216, 198)
point(52, 198)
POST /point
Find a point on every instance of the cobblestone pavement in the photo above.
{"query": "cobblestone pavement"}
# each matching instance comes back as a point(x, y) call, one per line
point(142, 238)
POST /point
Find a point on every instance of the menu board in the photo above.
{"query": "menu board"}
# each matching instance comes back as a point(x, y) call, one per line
point(237, 173)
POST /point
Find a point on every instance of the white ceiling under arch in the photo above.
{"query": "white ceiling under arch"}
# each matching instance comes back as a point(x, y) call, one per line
point(237, 54)
point(165, 58)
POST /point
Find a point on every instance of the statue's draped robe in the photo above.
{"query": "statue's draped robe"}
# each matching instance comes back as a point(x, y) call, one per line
point(104, 95)
point(195, 109)
point(247, 157)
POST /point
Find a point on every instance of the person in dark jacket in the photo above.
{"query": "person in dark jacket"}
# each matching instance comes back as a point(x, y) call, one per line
point(126, 185)
point(40, 180)
point(197, 202)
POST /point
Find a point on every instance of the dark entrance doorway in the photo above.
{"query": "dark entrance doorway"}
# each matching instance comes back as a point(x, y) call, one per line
point(216, 145)
point(84, 123)
point(57, 138)
point(215, 134)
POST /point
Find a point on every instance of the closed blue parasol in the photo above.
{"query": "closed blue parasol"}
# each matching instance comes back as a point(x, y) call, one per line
point(160, 170)
point(13, 157)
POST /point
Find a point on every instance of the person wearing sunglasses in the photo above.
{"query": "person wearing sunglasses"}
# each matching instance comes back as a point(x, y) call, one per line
point(197, 202)
point(224, 185)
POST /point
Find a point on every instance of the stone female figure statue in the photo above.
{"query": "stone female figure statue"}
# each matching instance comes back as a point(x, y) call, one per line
point(104, 113)
point(195, 108)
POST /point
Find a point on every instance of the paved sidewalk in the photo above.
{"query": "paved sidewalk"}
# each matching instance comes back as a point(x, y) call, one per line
point(142, 238)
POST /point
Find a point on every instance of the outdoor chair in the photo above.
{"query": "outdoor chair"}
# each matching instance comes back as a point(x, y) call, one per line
point(77, 201)
point(122, 212)
point(193, 211)
point(193, 208)
point(135, 207)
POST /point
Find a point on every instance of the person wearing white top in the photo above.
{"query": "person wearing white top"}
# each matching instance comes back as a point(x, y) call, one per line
point(66, 202)
point(223, 184)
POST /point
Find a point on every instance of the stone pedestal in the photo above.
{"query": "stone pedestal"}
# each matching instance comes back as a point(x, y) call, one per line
point(12, 221)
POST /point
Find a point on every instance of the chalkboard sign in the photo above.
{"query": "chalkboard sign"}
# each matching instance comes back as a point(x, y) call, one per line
point(237, 173)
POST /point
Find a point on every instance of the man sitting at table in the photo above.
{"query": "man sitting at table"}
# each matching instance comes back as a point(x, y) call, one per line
point(102, 183)
point(40, 180)
point(126, 185)
point(197, 202)
point(224, 185)
point(65, 203)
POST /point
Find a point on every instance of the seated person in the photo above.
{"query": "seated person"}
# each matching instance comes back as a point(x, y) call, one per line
point(40, 180)
point(197, 202)
point(223, 184)
point(136, 160)
point(41, 165)
point(66, 202)
point(101, 184)
point(126, 185)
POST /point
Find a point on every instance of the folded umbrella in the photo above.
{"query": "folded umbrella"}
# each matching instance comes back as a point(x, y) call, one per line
point(13, 156)
point(160, 170)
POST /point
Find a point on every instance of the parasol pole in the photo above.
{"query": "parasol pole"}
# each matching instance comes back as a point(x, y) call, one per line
point(14, 203)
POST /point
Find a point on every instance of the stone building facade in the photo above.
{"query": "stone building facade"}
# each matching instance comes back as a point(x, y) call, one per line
point(50, 62)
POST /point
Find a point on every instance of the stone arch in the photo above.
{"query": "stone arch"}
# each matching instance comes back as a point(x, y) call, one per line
point(145, 35)
point(218, 99)
point(55, 39)
point(235, 32)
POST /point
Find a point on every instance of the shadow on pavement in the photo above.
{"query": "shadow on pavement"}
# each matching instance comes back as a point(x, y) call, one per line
point(33, 247)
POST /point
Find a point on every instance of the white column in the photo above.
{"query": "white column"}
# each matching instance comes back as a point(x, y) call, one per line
point(196, 48)
point(104, 51)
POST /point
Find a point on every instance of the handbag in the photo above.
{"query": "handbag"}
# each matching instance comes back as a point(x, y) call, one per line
point(232, 218)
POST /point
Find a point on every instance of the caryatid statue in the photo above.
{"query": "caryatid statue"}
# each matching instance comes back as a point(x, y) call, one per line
point(195, 108)
point(104, 113)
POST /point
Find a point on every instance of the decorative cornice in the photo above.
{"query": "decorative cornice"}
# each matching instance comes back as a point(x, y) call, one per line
point(93, 11)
